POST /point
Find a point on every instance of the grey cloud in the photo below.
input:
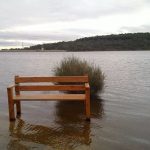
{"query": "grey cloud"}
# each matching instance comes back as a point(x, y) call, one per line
point(36, 36)
point(80, 31)
point(143, 28)
point(23, 12)
point(4, 43)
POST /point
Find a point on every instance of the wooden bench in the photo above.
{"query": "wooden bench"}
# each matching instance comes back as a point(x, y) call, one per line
point(24, 84)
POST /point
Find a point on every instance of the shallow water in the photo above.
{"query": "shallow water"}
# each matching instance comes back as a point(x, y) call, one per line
point(120, 117)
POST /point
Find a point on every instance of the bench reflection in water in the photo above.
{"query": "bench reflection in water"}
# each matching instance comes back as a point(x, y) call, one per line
point(69, 129)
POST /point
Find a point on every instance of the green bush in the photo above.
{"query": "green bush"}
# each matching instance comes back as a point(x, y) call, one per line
point(72, 66)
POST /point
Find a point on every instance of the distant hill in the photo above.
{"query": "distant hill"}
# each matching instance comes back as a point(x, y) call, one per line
point(128, 41)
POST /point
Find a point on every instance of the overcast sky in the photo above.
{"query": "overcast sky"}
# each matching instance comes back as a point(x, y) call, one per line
point(40, 21)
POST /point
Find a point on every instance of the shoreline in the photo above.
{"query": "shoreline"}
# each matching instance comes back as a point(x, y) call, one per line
point(33, 51)
point(9, 51)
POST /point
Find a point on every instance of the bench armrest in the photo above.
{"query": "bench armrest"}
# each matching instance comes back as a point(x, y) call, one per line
point(10, 89)
point(10, 86)
point(87, 86)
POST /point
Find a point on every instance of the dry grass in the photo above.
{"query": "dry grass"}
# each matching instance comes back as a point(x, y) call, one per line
point(73, 66)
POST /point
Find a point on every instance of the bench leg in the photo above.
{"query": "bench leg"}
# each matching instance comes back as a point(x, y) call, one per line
point(11, 104)
point(18, 107)
point(87, 105)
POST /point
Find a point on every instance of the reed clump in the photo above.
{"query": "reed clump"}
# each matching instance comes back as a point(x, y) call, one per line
point(73, 66)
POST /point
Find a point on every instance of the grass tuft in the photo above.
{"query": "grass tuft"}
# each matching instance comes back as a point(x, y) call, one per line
point(73, 66)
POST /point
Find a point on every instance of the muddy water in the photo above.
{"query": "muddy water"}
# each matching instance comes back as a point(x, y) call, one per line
point(120, 115)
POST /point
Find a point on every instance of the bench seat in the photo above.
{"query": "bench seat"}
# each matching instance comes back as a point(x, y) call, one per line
point(49, 97)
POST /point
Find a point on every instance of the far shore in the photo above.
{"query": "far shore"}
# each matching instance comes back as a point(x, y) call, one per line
point(33, 50)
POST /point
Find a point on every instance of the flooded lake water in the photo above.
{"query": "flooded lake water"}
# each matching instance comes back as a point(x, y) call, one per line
point(120, 117)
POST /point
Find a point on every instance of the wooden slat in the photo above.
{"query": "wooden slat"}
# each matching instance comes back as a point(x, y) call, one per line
point(49, 97)
point(81, 79)
point(51, 88)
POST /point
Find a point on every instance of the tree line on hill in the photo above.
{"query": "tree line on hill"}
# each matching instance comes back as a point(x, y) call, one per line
point(128, 41)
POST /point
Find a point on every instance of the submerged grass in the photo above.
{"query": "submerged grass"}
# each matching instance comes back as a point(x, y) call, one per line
point(73, 66)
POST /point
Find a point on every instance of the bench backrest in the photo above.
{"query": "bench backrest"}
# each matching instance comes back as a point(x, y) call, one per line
point(55, 79)
point(70, 79)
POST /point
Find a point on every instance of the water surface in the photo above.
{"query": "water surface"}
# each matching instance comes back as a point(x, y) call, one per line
point(120, 117)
